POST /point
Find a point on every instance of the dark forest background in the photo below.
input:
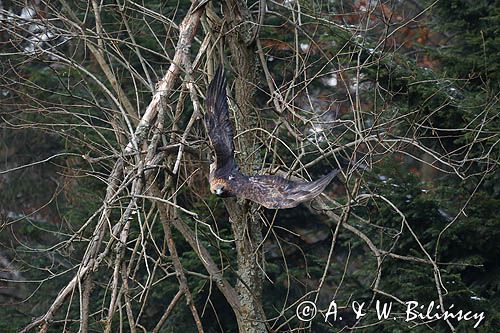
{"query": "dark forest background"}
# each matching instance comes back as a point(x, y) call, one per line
point(402, 95)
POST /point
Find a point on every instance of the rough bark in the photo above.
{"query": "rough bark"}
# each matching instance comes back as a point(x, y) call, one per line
point(246, 228)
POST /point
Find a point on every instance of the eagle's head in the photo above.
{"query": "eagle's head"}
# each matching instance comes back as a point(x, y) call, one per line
point(220, 187)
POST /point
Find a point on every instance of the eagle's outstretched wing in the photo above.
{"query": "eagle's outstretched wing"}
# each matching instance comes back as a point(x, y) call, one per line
point(219, 126)
point(276, 192)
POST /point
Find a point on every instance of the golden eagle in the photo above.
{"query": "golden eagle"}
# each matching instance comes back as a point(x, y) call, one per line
point(272, 192)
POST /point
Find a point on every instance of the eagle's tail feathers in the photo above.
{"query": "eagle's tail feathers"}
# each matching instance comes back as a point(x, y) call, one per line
point(309, 190)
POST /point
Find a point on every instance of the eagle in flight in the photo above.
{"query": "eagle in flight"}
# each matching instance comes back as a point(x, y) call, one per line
point(226, 180)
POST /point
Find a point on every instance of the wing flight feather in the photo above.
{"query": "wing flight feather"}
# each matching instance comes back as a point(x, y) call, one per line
point(220, 130)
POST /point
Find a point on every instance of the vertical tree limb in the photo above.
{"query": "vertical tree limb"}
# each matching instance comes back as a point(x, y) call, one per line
point(246, 228)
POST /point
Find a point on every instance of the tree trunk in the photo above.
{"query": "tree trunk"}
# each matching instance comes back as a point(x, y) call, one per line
point(246, 228)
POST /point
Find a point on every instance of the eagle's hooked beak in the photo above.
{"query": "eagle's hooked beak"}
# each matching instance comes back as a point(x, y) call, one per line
point(218, 191)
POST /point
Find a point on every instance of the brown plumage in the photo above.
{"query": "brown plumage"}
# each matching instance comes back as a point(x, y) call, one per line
point(272, 192)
